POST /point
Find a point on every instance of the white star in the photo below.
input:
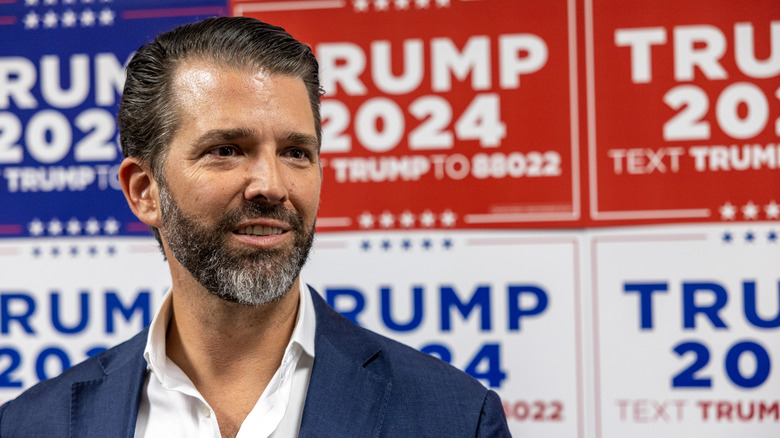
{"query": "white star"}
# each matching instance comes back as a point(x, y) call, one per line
point(772, 210)
point(35, 227)
point(68, 2)
point(107, 17)
point(93, 226)
point(443, 3)
point(421, 4)
point(87, 1)
point(727, 212)
point(31, 21)
point(55, 227)
point(427, 219)
point(111, 226)
point(31, 2)
point(366, 220)
point(87, 18)
point(402, 4)
point(381, 5)
point(50, 20)
point(106, 1)
point(750, 210)
point(74, 226)
point(407, 219)
point(50, 2)
point(360, 5)
point(448, 218)
point(69, 18)
point(387, 220)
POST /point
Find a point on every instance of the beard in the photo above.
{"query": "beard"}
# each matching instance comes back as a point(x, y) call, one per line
point(250, 276)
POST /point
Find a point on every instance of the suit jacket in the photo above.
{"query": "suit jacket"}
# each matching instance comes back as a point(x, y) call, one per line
point(362, 385)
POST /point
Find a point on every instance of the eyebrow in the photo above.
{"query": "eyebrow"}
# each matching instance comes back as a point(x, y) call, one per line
point(293, 137)
point(301, 139)
point(225, 135)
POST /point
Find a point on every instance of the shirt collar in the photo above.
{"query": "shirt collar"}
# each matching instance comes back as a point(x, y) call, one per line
point(169, 374)
point(305, 327)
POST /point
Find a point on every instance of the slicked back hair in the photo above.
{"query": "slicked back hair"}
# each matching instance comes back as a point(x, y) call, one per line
point(148, 118)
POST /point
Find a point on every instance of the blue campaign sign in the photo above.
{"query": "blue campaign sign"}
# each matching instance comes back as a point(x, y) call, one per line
point(61, 75)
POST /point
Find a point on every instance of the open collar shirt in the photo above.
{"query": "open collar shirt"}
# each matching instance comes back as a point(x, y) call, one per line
point(172, 406)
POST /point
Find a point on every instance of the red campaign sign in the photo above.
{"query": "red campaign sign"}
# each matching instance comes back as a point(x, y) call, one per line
point(442, 113)
point(684, 110)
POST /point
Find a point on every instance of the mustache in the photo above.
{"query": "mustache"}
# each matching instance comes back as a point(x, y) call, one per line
point(254, 210)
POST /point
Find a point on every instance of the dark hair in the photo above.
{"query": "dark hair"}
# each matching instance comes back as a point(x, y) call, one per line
point(147, 115)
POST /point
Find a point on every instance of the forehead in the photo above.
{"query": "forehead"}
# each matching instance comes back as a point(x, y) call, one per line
point(210, 96)
point(197, 77)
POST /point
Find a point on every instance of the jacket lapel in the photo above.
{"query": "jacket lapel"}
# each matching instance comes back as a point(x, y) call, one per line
point(349, 386)
point(114, 398)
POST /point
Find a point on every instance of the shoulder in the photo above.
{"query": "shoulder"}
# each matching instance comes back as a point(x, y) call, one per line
point(401, 362)
point(437, 395)
point(426, 392)
point(50, 400)
point(410, 366)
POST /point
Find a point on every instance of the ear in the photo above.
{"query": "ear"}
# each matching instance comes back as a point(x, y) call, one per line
point(140, 190)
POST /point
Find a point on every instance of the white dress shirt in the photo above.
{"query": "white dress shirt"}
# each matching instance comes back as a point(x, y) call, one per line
point(171, 406)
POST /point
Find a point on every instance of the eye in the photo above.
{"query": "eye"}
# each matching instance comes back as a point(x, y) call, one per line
point(224, 151)
point(298, 154)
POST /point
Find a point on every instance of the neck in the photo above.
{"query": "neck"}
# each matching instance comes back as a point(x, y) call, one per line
point(207, 331)
point(229, 351)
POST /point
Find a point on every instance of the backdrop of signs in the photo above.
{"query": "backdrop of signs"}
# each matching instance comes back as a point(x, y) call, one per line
point(473, 152)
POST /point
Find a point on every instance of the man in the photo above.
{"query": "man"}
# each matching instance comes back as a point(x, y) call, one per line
point(220, 128)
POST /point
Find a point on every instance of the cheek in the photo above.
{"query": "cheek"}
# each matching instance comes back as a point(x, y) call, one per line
point(306, 195)
point(209, 196)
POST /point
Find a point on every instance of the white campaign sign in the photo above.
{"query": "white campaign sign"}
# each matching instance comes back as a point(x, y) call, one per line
point(683, 340)
point(501, 305)
point(64, 299)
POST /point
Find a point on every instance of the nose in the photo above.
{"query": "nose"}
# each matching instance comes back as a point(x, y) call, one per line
point(265, 179)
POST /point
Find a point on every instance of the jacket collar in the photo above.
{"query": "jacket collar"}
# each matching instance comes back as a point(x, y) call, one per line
point(349, 386)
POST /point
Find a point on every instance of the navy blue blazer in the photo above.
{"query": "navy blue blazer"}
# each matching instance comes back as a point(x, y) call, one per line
point(362, 385)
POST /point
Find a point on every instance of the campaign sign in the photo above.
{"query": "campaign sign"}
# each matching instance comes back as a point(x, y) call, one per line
point(686, 331)
point(442, 113)
point(683, 110)
point(61, 75)
point(502, 306)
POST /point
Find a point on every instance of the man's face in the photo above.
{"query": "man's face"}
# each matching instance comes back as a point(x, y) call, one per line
point(242, 181)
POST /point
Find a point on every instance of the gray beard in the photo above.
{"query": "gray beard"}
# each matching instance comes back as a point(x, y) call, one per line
point(250, 276)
